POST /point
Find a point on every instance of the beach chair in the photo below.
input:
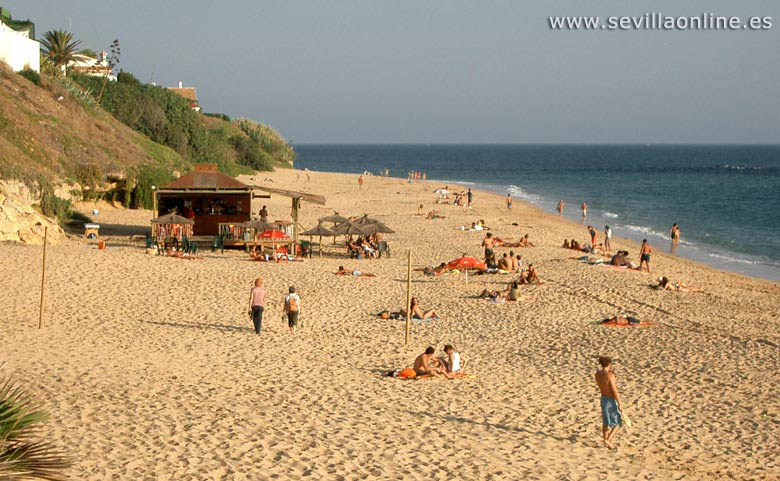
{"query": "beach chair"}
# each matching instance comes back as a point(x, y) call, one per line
point(306, 248)
point(383, 247)
point(219, 243)
point(150, 242)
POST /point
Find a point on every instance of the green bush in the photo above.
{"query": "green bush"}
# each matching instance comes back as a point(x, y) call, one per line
point(147, 176)
point(31, 75)
point(53, 206)
point(217, 116)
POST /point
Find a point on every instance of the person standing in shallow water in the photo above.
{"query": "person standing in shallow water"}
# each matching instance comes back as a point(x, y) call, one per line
point(561, 204)
point(257, 304)
point(611, 410)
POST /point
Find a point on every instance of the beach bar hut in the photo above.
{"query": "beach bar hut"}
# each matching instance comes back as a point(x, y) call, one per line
point(208, 198)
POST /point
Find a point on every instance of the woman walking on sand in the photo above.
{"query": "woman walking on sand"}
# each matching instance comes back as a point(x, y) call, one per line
point(256, 304)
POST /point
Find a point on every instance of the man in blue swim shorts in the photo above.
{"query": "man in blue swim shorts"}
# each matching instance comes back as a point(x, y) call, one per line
point(610, 400)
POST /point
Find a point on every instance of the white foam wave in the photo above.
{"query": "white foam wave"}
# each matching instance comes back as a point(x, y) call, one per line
point(645, 230)
point(731, 259)
point(518, 192)
point(611, 215)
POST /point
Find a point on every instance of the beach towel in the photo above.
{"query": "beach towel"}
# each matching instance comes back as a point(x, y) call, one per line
point(407, 373)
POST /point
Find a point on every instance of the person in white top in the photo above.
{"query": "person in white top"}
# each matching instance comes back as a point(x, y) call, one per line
point(452, 362)
point(607, 238)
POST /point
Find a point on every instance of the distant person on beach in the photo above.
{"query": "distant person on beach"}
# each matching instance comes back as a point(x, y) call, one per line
point(666, 285)
point(561, 205)
point(505, 264)
point(435, 215)
point(530, 276)
point(607, 238)
point(509, 202)
point(263, 214)
point(593, 235)
point(292, 307)
point(674, 233)
point(515, 261)
point(360, 182)
point(350, 272)
point(526, 242)
point(434, 271)
point(584, 209)
point(644, 254)
point(256, 304)
point(424, 365)
point(452, 362)
point(470, 198)
point(420, 210)
point(487, 243)
point(610, 400)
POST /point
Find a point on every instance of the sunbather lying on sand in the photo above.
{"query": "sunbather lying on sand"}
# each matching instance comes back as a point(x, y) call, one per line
point(434, 271)
point(621, 321)
point(666, 285)
point(418, 313)
point(525, 242)
point(511, 293)
point(434, 215)
point(350, 272)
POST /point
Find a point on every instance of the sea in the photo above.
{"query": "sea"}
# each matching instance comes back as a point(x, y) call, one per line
point(724, 198)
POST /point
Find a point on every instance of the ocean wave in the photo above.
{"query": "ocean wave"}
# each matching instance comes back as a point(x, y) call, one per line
point(611, 215)
point(732, 259)
point(645, 230)
point(518, 192)
point(742, 167)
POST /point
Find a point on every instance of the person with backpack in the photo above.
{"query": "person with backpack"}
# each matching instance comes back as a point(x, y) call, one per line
point(292, 307)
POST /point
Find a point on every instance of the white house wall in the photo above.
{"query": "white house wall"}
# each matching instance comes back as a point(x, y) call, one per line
point(18, 51)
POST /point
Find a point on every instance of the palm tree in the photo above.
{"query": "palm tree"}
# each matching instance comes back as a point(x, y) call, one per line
point(59, 46)
point(22, 455)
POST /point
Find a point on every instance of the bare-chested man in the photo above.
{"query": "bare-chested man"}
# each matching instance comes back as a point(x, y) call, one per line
point(674, 233)
point(561, 205)
point(425, 365)
point(610, 400)
point(487, 243)
point(505, 263)
point(593, 235)
point(644, 254)
point(515, 262)
point(530, 277)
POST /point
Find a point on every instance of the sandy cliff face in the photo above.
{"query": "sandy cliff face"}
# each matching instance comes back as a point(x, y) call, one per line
point(19, 221)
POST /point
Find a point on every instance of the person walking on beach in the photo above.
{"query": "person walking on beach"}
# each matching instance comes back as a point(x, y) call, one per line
point(360, 182)
point(611, 410)
point(584, 209)
point(561, 204)
point(509, 202)
point(487, 243)
point(292, 307)
point(256, 304)
point(607, 238)
point(644, 254)
point(469, 197)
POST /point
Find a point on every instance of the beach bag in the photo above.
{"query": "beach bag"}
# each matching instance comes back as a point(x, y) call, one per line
point(407, 373)
point(292, 304)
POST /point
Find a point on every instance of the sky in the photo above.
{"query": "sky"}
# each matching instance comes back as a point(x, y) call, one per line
point(440, 71)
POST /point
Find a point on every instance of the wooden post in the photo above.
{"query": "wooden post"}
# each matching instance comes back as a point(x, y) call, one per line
point(43, 276)
point(320, 247)
point(408, 296)
point(296, 202)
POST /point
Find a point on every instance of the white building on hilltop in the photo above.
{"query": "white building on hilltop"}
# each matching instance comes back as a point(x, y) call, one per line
point(18, 50)
point(86, 65)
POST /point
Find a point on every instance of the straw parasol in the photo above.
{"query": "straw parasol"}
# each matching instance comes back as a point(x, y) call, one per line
point(320, 230)
point(377, 228)
point(335, 219)
point(257, 225)
point(365, 220)
point(172, 225)
point(349, 228)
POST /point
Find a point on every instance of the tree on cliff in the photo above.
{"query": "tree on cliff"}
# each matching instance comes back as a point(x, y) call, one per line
point(59, 46)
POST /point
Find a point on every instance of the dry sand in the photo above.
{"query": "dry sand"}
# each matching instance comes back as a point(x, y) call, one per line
point(151, 370)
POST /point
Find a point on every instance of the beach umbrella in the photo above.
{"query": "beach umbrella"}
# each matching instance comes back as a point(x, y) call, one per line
point(335, 218)
point(320, 230)
point(377, 228)
point(273, 234)
point(465, 263)
point(349, 228)
point(172, 219)
point(441, 191)
point(365, 220)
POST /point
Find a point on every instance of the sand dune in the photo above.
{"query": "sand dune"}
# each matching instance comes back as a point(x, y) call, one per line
point(151, 370)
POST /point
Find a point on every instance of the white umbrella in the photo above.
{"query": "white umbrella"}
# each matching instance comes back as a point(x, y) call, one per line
point(441, 191)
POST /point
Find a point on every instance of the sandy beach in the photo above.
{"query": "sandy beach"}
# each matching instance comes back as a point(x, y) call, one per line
point(151, 370)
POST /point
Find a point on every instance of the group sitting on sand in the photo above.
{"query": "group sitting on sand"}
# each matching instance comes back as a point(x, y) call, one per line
point(587, 248)
point(511, 293)
point(364, 247)
point(448, 367)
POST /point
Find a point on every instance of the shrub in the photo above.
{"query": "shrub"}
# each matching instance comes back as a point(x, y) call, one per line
point(147, 176)
point(218, 116)
point(31, 75)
